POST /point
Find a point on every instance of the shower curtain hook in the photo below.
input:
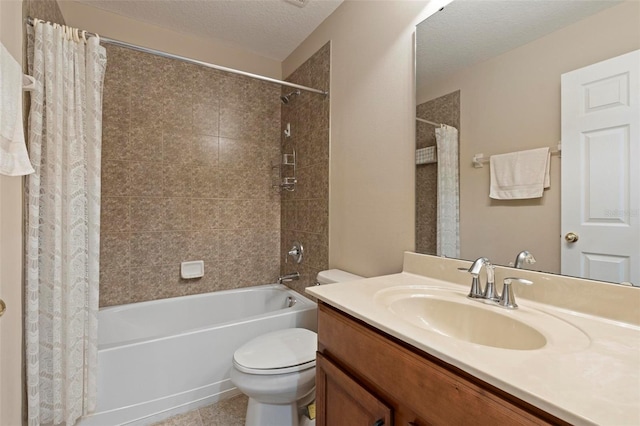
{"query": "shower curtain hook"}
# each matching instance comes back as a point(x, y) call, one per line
point(84, 35)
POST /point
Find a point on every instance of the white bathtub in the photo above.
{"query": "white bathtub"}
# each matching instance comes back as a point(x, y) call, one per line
point(160, 358)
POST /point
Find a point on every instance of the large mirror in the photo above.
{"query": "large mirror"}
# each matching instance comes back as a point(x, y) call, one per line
point(492, 70)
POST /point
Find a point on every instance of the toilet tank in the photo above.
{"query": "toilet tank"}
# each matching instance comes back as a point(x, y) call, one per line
point(336, 276)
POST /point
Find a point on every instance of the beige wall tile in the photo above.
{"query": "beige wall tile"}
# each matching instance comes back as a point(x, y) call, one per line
point(186, 176)
point(178, 214)
point(206, 213)
point(147, 214)
point(151, 283)
point(145, 143)
point(146, 248)
point(304, 212)
point(206, 116)
point(205, 182)
point(205, 245)
point(178, 146)
point(115, 142)
point(205, 150)
point(176, 179)
point(233, 121)
point(175, 248)
point(115, 215)
point(116, 178)
point(143, 179)
point(116, 248)
point(146, 108)
point(114, 286)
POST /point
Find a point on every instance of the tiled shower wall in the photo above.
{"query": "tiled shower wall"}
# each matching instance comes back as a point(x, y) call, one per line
point(446, 110)
point(47, 10)
point(305, 211)
point(186, 175)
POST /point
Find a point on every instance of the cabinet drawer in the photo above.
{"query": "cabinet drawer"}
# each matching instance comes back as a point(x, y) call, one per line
point(436, 392)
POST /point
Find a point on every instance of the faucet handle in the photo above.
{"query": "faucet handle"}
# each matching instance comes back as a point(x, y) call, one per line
point(508, 299)
point(296, 252)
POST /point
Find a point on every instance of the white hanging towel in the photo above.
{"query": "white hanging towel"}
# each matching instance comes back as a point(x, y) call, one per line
point(520, 175)
point(14, 160)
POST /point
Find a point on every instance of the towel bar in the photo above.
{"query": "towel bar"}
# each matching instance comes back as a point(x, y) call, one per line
point(479, 159)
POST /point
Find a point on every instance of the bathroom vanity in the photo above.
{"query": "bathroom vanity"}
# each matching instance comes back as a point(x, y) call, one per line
point(388, 355)
point(365, 375)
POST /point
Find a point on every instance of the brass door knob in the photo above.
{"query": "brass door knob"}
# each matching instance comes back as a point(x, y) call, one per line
point(571, 237)
point(3, 307)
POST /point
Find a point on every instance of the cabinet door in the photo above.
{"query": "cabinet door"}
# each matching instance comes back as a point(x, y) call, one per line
point(341, 401)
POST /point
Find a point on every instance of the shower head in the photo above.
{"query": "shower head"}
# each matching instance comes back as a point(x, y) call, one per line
point(285, 98)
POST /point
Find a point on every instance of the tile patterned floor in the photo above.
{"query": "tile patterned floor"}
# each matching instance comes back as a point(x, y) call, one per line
point(230, 412)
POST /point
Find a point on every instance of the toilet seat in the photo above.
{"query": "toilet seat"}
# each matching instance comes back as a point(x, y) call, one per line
point(278, 352)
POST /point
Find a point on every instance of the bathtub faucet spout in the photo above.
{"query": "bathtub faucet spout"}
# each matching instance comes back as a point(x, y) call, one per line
point(289, 277)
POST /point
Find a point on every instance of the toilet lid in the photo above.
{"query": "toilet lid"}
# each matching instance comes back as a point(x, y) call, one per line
point(278, 352)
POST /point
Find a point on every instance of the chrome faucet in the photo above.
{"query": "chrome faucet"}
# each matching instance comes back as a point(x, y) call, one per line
point(507, 299)
point(294, 276)
point(476, 286)
point(524, 257)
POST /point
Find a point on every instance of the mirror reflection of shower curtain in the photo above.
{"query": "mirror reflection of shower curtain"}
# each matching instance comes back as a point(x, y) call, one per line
point(63, 238)
point(448, 217)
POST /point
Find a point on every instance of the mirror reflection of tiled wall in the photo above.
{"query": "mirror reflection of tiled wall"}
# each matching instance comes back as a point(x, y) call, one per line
point(446, 110)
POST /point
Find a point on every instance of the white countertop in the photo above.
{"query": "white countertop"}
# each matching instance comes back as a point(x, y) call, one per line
point(592, 378)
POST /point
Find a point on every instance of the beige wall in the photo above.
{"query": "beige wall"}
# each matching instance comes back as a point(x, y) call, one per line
point(11, 250)
point(372, 171)
point(512, 103)
point(131, 31)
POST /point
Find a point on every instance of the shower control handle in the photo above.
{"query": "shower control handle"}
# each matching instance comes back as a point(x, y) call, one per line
point(296, 252)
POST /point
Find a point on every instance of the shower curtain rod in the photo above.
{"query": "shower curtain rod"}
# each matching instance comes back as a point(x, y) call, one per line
point(197, 62)
point(429, 122)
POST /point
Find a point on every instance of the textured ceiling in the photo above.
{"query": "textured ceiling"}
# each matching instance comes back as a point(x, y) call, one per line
point(271, 28)
point(467, 32)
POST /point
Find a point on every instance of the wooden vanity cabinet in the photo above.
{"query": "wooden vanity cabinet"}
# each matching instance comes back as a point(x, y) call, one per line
point(345, 401)
point(365, 377)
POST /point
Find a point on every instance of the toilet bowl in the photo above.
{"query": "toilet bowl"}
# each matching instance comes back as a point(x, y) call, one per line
point(277, 370)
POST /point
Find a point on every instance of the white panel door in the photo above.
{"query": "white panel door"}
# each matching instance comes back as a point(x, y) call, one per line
point(601, 170)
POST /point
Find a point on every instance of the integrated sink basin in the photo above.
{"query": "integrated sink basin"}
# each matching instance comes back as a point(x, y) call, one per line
point(467, 322)
point(452, 314)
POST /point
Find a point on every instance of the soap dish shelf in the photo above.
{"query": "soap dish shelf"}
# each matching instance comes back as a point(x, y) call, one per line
point(286, 165)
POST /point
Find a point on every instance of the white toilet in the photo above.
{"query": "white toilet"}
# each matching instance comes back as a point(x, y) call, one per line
point(277, 370)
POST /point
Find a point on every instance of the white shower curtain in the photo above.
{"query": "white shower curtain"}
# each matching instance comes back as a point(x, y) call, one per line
point(448, 218)
point(63, 224)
